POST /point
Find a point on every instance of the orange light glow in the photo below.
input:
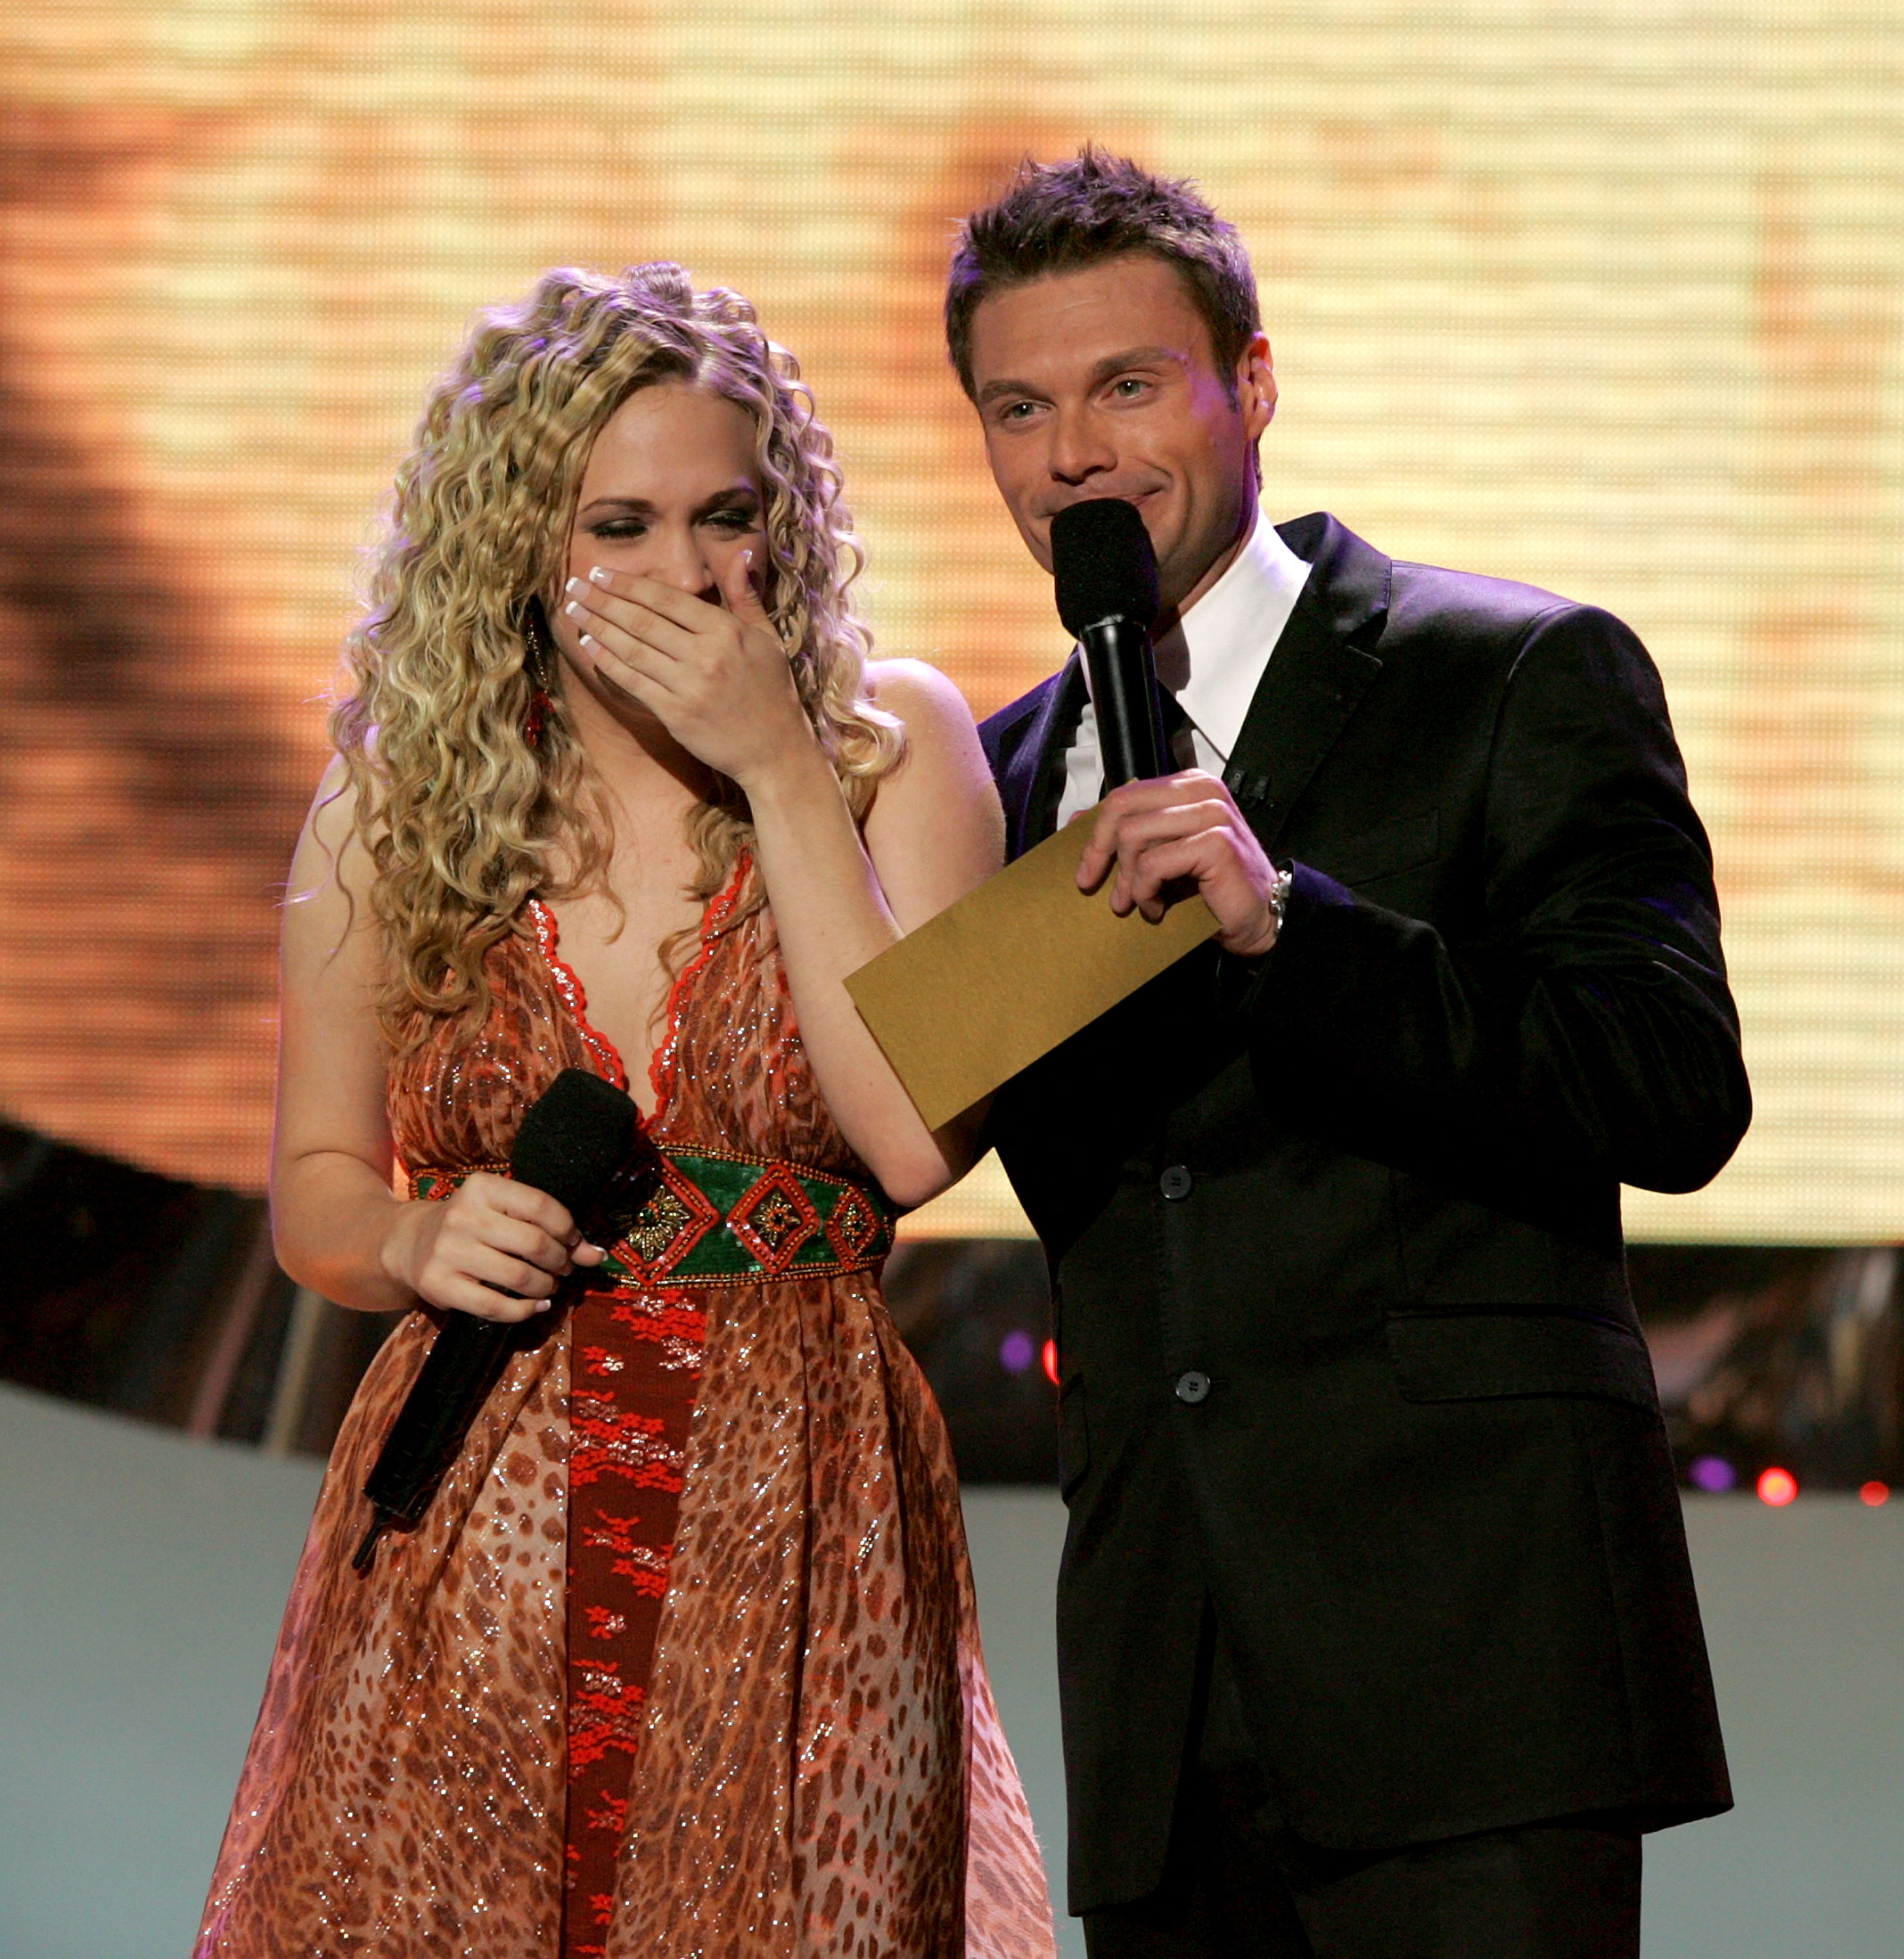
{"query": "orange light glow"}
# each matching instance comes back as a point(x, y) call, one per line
point(1777, 1488)
point(1050, 1359)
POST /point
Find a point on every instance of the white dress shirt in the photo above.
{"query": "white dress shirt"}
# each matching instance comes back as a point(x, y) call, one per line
point(1212, 660)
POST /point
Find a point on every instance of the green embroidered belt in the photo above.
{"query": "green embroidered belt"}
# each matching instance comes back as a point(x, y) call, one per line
point(717, 1217)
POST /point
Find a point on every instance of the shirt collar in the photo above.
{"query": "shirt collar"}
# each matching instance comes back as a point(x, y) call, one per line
point(1212, 659)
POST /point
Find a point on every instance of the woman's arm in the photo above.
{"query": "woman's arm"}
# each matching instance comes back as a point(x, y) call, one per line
point(717, 679)
point(934, 832)
point(337, 1226)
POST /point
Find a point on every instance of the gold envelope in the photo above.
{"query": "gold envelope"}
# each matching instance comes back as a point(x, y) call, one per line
point(1013, 968)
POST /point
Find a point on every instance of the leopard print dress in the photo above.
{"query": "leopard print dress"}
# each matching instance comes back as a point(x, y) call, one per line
point(776, 1739)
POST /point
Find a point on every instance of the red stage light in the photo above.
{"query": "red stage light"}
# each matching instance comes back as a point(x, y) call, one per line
point(1049, 1356)
point(1777, 1488)
point(1874, 1494)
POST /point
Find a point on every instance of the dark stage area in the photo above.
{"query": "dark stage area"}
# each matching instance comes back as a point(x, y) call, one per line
point(151, 1298)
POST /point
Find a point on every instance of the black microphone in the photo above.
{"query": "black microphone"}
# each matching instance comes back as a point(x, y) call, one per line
point(574, 1140)
point(1107, 596)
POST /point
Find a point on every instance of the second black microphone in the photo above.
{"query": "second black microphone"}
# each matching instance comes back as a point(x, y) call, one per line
point(1106, 574)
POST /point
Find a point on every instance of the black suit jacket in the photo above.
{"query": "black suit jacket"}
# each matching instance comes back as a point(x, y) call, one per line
point(1346, 1345)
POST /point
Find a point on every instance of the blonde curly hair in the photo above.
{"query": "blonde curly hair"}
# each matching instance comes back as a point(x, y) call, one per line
point(463, 814)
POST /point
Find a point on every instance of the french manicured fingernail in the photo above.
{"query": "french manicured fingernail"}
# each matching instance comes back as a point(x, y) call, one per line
point(600, 573)
point(543, 1305)
point(573, 585)
point(575, 611)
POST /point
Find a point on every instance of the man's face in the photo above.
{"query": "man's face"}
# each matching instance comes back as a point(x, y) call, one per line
point(1103, 383)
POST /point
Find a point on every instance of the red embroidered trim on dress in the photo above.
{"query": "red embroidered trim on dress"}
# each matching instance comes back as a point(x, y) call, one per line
point(661, 1068)
point(549, 939)
point(637, 1360)
point(605, 1711)
point(605, 1440)
point(670, 1320)
point(635, 1367)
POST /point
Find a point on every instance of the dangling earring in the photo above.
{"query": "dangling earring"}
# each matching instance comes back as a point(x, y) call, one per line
point(538, 662)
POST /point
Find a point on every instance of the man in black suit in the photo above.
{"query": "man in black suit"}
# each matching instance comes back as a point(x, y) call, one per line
point(1377, 1635)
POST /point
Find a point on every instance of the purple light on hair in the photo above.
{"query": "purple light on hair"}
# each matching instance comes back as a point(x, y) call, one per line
point(1712, 1474)
point(1017, 1351)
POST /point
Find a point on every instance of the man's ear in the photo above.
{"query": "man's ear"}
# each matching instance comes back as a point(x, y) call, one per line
point(1256, 386)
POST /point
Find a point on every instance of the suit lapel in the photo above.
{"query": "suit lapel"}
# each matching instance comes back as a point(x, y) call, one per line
point(1033, 783)
point(1320, 669)
point(1317, 676)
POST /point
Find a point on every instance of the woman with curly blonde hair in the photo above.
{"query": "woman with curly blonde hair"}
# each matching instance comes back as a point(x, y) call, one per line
point(682, 1659)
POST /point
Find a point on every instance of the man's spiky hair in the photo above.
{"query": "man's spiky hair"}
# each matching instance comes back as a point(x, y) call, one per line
point(1088, 209)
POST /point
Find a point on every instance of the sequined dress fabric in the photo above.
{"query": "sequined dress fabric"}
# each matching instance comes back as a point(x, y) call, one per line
point(796, 1732)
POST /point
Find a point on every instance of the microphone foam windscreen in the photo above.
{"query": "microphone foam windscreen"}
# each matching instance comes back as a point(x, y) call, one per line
point(574, 1139)
point(1102, 560)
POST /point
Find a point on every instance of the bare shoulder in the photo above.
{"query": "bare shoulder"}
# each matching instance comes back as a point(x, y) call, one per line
point(326, 897)
point(943, 753)
point(935, 828)
point(920, 696)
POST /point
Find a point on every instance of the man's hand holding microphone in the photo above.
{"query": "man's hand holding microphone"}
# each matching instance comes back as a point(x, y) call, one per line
point(1157, 836)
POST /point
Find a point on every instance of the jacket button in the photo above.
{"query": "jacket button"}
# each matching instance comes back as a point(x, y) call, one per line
point(1193, 1387)
point(1175, 1183)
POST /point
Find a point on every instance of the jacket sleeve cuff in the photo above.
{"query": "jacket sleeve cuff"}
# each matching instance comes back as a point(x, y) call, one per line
point(1241, 982)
